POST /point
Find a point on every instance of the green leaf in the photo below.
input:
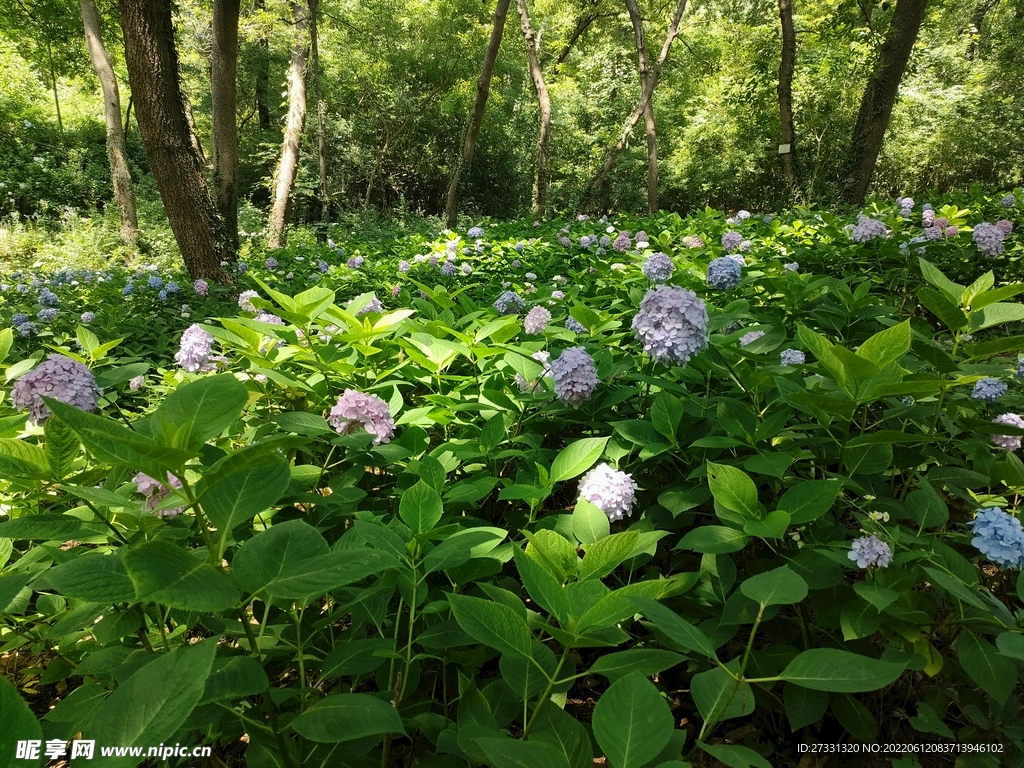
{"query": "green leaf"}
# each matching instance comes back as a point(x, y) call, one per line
point(42, 528)
point(829, 669)
point(61, 447)
point(944, 309)
point(734, 490)
point(719, 696)
point(927, 720)
point(667, 414)
point(19, 459)
point(169, 575)
point(511, 753)
point(152, 704)
point(606, 555)
point(199, 410)
point(6, 340)
point(995, 673)
point(781, 586)
point(931, 273)
point(996, 314)
point(804, 706)
point(566, 734)
point(240, 496)
point(348, 716)
point(679, 630)
point(823, 352)
point(1011, 645)
point(589, 523)
point(926, 507)
point(11, 586)
point(356, 657)
point(949, 583)
point(618, 606)
point(235, 678)
point(492, 434)
point(420, 507)
point(735, 756)
point(632, 722)
point(19, 724)
point(714, 540)
point(576, 458)
point(458, 548)
point(543, 588)
point(773, 526)
point(645, 661)
point(96, 578)
point(492, 624)
point(887, 346)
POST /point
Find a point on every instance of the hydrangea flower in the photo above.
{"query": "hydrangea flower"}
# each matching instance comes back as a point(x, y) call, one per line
point(1005, 226)
point(724, 273)
point(791, 357)
point(356, 262)
point(242, 267)
point(245, 300)
point(1008, 442)
point(355, 410)
point(162, 295)
point(750, 338)
point(270, 263)
point(403, 266)
point(195, 353)
point(268, 317)
point(475, 232)
point(999, 536)
point(605, 241)
point(201, 287)
point(575, 325)
point(373, 306)
point(557, 294)
point(742, 215)
point(48, 298)
point(870, 551)
point(610, 490)
point(622, 242)
point(989, 390)
point(172, 287)
point(536, 320)
point(395, 290)
point(155, 282)
point(466, 269)
point(58, 377)
point(588, 241)
point(989, 239)
point(692, 241)
point(128, 290)
point(927, 216)
point(672, 324)
point(509, 303)
point(731, 241)
point(658, 268)
point(867, 229)
point(88, 317)
point(433, 260)
point(791, 266)
point(27, 329)
point(137, 383)
point(519, 249)
point(447, 269)
point(19, 318)
point(575, 376)
point(155, 491)
point(47, 315)
point(528, 386)
point(565, 241)
point(1020, 369)
point(323, 266)
point(1008, 202)
point(951, 231)
point(933, 233)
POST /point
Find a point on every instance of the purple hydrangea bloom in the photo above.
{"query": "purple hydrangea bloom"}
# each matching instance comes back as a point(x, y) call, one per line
point(724, 273)
point(475, 232)
point(1005, 226)
point(870, 551)
point(356, 410)
point(791, 357)
point(355, 262)
point(245, 300)
point(88, 317)
point(951, 231)
point(268, 317)
point(942, 222)
point(989, 390)
point(137, 383)
point(658, 268)
point(509, 303)
point(395, 290)
point(989, 239)
point(557, 295)
point(373, 306)
point(403, 266)
point(172, 287)
point(1008, 442)
point(1008, 202)
point(588, 241)
point(575, 325)
point(927, 217)
point(610, 490)
point(536, 320)
point(155, 491)
point(731, 241)
point(467, 269)
point(195, 354)
point(933, 232)
point(750, 338)
point(791, 266)
point(867, 229)
point(622, 242)
point(672, 324)
point(47, 315)
point(270, 263)
point(999, 536)
point(48, 298)
point(447, 269)
point(565, 241)
point(58, 377)
point(692, 241)
point(575, 376)
point(201, 287)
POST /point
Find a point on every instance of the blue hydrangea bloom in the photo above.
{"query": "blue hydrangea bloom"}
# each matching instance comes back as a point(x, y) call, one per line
point(1020, 369)
point(999, 537)
point(47, 315)
point(724, 273)
point(575, 376)
point(48, 298)
point(791, 357)
point(27, 329)
point(128, 289)
point(658, 268)
point(575, 325)
point(88, 317)
point(989, 390)
point(19, 318)
point(475, 232)
point(155, 282)
point(448, 269)
point(509, 303)
point(162, 295)
point(172, 287)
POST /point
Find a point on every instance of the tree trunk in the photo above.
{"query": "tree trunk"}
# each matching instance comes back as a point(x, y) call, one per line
point(879, 98)
point(483, 87)
point(541, 177)
point(787, 66)
point(224, 93)
point(262, 76)
point(288, 166)
point(120, 178)
point(645, 76)
point(645, 96)
point(321, 108)
point(153, 73)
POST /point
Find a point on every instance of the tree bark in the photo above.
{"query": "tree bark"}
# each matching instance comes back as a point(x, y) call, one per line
point(645, 96)
point(787, 67)
point(153, 73)
point(321, 108)
point(288, 166)
point(541, 178)
point(645, 76)
point(262, 75)
point(224, 95)
point(483, 86)
point(879, 98)
point(120, 178)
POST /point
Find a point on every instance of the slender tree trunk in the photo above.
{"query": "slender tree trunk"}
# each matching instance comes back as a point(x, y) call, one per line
point(645, 77)
point(787, 66)
point(224, 94)
point(152, 62)
point(120, 178)
point(483, 87)
point(541, 177)
point(581, 26)
point(53, 82)
point(879, 98)
point(262, 75)
point(645, 96)
point(321, 108)
point(288, 166)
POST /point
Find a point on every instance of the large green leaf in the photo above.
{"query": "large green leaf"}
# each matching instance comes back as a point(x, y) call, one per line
point(61, 447)
point(356, 657)
point(42, 528)
point(735, 755)
point(780, 586)
point(240, 496)
point(19, 459)
point(566, 734)
point(18, 725)
point(995, 673)
point(492, 624)
point(348, 716)
point(93, 577)
point(829, 669)
point(199, 410)
point(887, 346)
point(809, 500)
point(734, 490)
point(719, 696)
point(234, 678)
point(589, 523)
point(511, 753)
point(170, 575)
point(151, 705)
point(678, 629)
point(632, 722)
point(714, 540)
point(576, 458)
point(646, 661)
point(606, 555)
point(543, 588)
point(420, 507)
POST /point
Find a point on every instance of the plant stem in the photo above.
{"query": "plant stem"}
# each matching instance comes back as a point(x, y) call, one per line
point(547, 693)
